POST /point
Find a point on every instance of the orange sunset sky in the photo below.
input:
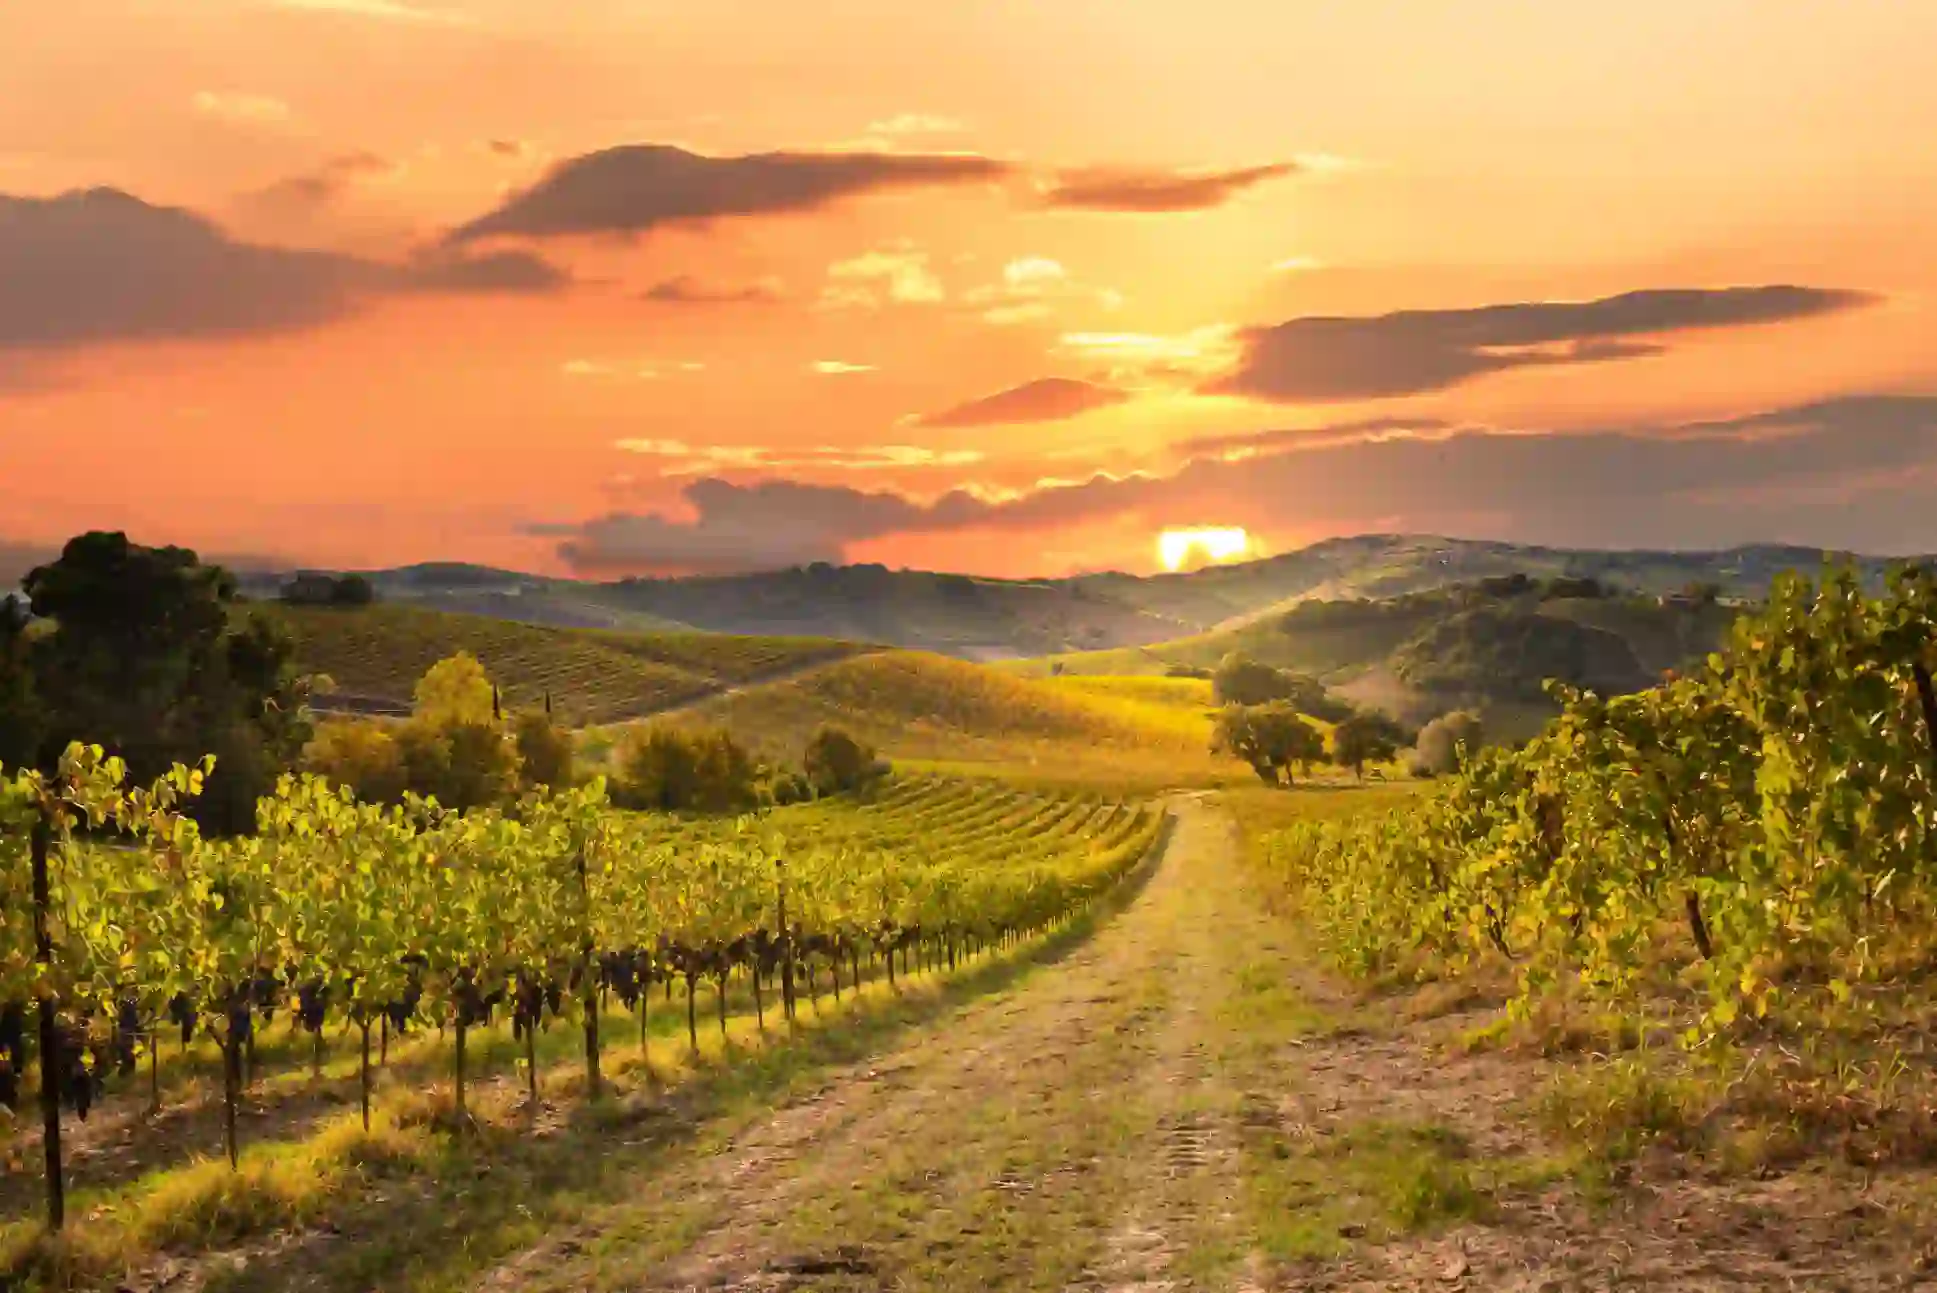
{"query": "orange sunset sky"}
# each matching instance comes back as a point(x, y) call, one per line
point(1005, 286)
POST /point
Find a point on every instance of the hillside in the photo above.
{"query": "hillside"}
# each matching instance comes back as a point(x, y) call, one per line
point(992, 619)
point(1490, 646)
point(375, 654)
point(924, 709)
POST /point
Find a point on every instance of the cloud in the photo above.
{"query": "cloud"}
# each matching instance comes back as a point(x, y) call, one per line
point(1250, 444)
point(1050, 399)
point(1151, 191)
point(1856, 472)
point(684, 289)
point(517, 272)
point(1144, 356)
point(387, 10)
point(678, 458)
point(249, 109)
point(100, 265)
point(1030, 289)
point(916, 123)
point(1297, 265)
point(507, 147)
point(638, 187)
point(306, 193)
point(1412, 351)
point(876, 278)
point(745, 527)
point(835, 367)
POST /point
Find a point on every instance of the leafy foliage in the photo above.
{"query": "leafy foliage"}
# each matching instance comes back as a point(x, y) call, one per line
point(1447, 742)
point(1778, 806)
point(1365, 738)
point(836, 762)
point(678, 768)
point(141, 656)
point(1275, 739)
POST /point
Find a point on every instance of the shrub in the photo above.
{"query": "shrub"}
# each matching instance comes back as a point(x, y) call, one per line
point(1446, 743)
point(703, 769)
point(837, 762)
point(545, 754)
point(358, 754)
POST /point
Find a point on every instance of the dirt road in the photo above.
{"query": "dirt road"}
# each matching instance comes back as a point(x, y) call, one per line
point(1181, 1103)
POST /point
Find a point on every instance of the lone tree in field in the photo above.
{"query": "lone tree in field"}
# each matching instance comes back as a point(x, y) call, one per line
point(1362, 739)
point(1274, 739)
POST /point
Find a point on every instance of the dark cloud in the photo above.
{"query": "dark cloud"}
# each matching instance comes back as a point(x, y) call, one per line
point(100, 266)
point(1150, 192)
point(508, 147)
point(1853, 473)
point(1050, 399)
point(637, 187)
point(684, 289)
point(305, 194)
point(764, 526)
point(498, 271)
point(1347, 358)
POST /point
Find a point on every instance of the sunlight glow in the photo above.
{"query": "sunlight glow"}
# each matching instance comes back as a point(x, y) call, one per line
point(1204, 546)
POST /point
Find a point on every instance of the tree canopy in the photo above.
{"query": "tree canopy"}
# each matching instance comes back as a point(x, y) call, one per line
point(143, 653)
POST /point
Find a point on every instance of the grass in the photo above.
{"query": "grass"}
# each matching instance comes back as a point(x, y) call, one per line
point(592, 675)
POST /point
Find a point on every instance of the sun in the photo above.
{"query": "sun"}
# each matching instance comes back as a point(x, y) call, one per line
point(1202, 546)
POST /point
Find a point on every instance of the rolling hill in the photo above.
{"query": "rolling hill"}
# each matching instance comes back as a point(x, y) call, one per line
point(1489, 645)
point(375, 654)
point(991, 619)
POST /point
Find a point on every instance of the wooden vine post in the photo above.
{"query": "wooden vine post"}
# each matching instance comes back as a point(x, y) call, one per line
point(786, 945)
point(50, 1037)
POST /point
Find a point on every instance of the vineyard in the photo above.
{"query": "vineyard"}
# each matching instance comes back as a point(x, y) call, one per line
point(592, 675)
point(130, 943)
point(1743, 858)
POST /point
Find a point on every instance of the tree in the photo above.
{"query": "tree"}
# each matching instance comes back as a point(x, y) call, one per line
point(145, 658)
point(837, 762)
point(455, 690)
point(353, 590)
point(1273, 738)
point(1446, 743)
point(21, 716)
point(1364, 738)
point(544, 751)
point(1240, 680)
point(663, 767)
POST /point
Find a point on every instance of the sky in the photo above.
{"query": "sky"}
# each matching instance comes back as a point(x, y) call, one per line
point(616, 287)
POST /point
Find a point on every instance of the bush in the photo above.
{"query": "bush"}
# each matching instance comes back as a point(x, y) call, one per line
point(463, 765)
point(836, 762)
point(1446, 743)
point(358, 754)
point(545, 755)
point(704, 769)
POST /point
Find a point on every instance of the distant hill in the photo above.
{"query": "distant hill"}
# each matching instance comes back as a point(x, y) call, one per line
point(993, 619)
point(1490, 645)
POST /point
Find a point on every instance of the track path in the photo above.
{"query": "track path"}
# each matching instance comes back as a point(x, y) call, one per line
point(1062, 1133)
